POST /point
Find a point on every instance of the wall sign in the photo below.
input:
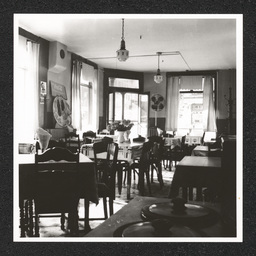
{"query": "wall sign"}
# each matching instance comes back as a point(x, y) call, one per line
point(58, 90)
point(42, 91)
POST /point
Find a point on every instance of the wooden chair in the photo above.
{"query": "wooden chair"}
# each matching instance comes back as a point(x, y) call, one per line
point(177, 153)
point(141, 166)
point(152, 131)
point(215, 148)
point(56, 187)
point(106, 172)
point(72, 142)
point(156, 157)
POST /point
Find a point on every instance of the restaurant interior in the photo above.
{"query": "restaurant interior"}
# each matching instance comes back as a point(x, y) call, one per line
point(125, 127)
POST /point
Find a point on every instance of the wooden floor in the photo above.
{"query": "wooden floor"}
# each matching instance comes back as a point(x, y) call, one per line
point(50, 227)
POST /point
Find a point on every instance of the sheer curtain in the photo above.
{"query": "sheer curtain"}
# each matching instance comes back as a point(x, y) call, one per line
point(27, 88)
point(90, 76)
point(209, 121)
point(172, 105)
point(76, 106)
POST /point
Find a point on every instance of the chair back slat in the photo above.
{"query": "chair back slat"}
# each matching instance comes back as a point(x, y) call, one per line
point(72, 142)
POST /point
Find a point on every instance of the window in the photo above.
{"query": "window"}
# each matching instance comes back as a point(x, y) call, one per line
point(191, 102)
point(190, 110)
point(26, 103)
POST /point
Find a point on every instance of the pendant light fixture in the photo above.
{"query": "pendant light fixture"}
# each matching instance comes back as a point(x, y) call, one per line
point(158, 78)
point(122, 54)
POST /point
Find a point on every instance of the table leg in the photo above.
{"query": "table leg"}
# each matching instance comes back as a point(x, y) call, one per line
point(129, 183)
point(31, 224)
point(87, 227)
point(22, 224)
point(119, 178)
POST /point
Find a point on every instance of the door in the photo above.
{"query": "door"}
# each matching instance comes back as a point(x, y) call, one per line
point(130, 106)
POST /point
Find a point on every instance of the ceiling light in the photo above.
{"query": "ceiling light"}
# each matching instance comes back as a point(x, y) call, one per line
point(122, 54)
point(158, 78)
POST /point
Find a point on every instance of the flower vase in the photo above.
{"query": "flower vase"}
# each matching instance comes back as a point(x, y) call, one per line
point(126, 135)
point(120, 136)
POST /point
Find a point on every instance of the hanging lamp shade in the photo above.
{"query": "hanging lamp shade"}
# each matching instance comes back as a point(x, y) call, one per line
point(122, 54)
point(158, 78)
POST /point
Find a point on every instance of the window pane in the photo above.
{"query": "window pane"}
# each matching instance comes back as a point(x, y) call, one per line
point(85, 104)
point(118, 106)
point(123, 83)
point(110, 107)
point(143, 115)
point(131, 106)
point(190, 111)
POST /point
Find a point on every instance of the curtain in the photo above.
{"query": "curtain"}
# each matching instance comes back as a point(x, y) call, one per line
point(76, 106)
point(209, 116)
point(90, 77)
point(27, 85)
point(172, 95)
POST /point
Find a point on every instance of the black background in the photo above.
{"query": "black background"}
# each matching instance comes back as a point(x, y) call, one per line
point(8, 8)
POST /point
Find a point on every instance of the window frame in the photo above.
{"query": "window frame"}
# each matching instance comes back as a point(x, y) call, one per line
point(124, 74)
point(212, 73)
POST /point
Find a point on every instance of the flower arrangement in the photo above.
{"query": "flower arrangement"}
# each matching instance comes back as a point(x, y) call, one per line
point(124, 125)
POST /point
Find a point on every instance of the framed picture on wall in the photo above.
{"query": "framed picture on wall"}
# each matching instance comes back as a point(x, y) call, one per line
point(58, 90)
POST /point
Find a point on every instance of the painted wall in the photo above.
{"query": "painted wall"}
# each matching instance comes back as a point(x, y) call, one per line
point(226, 80)
point(63, 78)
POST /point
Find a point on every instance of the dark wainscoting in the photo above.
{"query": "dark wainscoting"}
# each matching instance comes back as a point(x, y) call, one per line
point(160, 122)
point(223, 126)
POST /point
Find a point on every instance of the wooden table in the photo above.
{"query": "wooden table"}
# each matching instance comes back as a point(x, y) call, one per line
point(194, 171)
point(200, 151)
point(87, 186)
point(132, 212)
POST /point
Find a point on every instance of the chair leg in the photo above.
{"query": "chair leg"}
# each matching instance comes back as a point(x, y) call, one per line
point(152, 172)
point(160, 175)
point(111, 207)
point(141, 182)
point(105, 207)
point(36, 225)
point(87, 227)
point(119, 178)
point(62, 221)
point(125, 170)
point(31, 224)
point(148, 181)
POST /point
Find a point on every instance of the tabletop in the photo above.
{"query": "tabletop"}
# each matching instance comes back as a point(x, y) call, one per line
point(30, 159)
point(132, 212)
point(200, 151)
point(197, 172)
point(86, 172)
point(204, 161)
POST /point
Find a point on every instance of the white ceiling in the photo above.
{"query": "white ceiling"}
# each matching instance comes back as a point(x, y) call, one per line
point(205, 42)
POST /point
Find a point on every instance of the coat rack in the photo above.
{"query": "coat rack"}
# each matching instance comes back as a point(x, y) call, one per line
point(230, 102)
